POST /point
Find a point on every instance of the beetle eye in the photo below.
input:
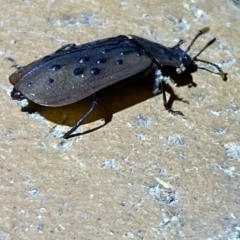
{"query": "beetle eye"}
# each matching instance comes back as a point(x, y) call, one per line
point(186, 60)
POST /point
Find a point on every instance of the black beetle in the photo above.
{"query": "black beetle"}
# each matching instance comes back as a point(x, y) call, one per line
point(75, 72)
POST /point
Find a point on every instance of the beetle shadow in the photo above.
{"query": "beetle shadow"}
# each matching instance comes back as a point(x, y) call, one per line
point(113, 99)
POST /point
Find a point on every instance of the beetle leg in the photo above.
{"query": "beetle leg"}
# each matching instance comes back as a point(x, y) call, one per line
point(162, 80)
point(14, 63)
point(168, 108)
point(94, 104)
point(64, 47)
point(16, 95)
point(159, 78)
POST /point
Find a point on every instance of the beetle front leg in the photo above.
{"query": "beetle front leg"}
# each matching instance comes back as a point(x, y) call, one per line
point(162, 80)
point(159, 78)
point(168, 108)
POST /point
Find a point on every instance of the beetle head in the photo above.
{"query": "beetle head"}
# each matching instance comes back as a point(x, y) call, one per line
point(189, 62)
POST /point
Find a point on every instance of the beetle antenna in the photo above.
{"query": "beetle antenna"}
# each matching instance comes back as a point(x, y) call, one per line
point(181, 41)
point(199, 33)
point(195, 59)
point(221, 73)
point(206, 46)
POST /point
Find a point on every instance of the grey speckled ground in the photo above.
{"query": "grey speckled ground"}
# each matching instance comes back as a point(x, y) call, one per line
point(146, 174)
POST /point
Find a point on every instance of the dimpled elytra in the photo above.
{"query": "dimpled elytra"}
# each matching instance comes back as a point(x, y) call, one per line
point(75, 72)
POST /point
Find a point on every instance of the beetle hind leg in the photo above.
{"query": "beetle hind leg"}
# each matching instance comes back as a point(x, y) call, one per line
point(93, 106)
point(16, 95)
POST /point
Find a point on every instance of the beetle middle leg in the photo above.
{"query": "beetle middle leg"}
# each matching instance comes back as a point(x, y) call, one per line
point(94, 104)
point(167, 107)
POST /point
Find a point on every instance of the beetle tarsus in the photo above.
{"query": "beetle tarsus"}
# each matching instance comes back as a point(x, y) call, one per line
point(14, 63)
point(174, 112)
point(67, 47)
point(16, 95)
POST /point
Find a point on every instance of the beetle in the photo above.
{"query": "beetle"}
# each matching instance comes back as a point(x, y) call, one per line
point(74, 72)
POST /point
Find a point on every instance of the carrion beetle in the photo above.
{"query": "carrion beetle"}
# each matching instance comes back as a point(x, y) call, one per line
point(74, 72)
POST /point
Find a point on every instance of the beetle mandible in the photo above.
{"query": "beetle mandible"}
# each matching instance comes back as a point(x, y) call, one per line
point(74, 72)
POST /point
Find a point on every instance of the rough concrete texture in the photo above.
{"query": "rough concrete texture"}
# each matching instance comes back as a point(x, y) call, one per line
point(146, 174)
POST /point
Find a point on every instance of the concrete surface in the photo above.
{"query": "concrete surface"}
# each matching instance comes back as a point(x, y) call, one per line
point(146, 174)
